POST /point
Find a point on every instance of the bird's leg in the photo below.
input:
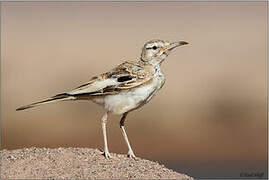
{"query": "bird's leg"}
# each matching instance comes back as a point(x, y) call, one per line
point(104, 121)
point(130, 151)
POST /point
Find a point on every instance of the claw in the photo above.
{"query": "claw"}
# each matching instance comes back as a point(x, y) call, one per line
point(107, 155)
point(131, 154)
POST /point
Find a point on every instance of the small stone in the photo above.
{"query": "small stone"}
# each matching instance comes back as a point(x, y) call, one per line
point(131, 175)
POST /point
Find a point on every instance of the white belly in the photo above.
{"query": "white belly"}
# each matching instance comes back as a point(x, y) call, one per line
point(127, 101)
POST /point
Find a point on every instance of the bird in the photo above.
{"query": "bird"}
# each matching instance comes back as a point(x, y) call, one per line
point(125, 88)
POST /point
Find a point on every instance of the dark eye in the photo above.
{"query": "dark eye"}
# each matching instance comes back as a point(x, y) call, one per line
point(154, 47)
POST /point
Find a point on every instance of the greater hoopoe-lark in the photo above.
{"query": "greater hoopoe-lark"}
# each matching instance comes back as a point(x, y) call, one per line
point(125, 88)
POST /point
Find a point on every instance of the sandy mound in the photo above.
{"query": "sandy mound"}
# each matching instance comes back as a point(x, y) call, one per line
point(78, 163)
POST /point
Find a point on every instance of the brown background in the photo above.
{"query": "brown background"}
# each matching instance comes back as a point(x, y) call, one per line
point(212, 107)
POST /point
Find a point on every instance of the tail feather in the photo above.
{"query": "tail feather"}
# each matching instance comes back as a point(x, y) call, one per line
point(58, 97)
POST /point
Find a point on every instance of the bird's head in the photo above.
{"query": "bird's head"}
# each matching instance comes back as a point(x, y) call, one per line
point(155, 51)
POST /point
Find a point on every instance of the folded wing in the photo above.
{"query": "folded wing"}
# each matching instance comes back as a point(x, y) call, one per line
point(124, 77)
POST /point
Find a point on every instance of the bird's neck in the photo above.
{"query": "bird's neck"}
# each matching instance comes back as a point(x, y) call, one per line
point(156, 68)
point(149, 63)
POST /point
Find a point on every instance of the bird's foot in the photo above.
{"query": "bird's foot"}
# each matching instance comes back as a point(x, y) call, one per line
point(131, 154)
point(105, 153)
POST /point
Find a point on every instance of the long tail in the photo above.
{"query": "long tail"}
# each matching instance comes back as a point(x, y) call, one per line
point(58, 97)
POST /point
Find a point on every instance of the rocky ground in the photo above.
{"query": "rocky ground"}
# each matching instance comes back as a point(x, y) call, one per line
point(78, 163)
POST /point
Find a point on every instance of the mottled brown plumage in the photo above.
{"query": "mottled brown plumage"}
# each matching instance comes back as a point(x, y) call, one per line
point(127, 75)
point(125, 88)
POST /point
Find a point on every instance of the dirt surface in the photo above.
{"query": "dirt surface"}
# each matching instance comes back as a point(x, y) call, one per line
point(78, 163)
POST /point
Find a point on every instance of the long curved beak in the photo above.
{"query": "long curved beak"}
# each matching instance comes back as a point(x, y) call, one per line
point(173, 45)
point(176, 44)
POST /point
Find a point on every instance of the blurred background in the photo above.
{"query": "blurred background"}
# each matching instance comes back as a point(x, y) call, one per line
point(210, 118)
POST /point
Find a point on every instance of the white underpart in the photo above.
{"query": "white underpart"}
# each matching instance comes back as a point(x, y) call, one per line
point(127, 101)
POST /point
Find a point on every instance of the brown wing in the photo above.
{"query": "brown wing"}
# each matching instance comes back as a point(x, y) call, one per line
point(124, 77)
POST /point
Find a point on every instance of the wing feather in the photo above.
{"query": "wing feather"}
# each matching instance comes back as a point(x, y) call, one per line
point(124, 77)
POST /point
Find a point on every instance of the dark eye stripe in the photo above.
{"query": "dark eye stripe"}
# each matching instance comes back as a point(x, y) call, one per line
point(153, 47)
